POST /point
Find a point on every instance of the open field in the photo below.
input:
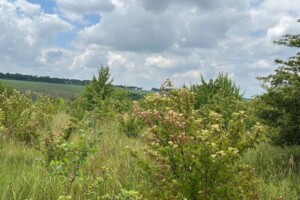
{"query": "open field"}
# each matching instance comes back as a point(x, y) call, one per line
point(66, 91)
point(51, 89)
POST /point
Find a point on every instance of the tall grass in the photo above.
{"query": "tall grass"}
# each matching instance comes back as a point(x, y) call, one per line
point(114, 156)
point(278, 170)
point(22, 175)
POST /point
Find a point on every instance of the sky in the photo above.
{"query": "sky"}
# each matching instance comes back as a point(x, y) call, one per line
point(146, 41)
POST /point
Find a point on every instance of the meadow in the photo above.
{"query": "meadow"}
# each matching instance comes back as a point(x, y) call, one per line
point(51, 89)
point(202, 142)
point(23, 176)
point(65, 91)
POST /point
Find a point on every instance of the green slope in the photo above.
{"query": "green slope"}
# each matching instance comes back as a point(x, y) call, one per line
point(51, 89)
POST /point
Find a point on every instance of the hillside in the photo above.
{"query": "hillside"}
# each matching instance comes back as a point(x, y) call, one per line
point(51, 89)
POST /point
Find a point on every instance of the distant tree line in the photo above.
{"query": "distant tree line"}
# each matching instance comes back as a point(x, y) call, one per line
point(45, 79)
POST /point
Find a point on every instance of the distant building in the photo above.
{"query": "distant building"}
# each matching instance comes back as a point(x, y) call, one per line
point(130, 87)
point(159, 90)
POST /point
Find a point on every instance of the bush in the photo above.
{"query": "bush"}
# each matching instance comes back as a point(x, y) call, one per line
point(24, 119)
point(131, 125)
point(194, 152)
point(67, 151)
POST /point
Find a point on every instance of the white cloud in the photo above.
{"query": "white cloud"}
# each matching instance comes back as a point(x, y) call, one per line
point(115, 59)
point(158, 61)
point(285, 25)
point(261, 64)
point(27, 8)
point(25, 32)
point(146, 41)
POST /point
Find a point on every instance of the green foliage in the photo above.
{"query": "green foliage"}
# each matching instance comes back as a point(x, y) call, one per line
point(66, 91)
point(278, 169)
point(123, 194)
point(65, 156)
point(1, 118)
point(77, 108)
point(99, 89)
point(131, 125)
point(282, 98)
point(194, 151)
point(128, 195)
point(24, 118)
point(5, 88)
point(122, 100)
point(215, 89)
point(22, 177)
point(220, 95)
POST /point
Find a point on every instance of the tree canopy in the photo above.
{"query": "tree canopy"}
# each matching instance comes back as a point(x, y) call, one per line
point(100, 87)
point(282, 98)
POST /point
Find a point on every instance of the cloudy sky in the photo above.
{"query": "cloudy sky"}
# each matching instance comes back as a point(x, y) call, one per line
point(146, 41)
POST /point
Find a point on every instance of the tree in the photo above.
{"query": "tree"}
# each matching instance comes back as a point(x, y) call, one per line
point(281, 102)
point(100, 87)
point(221, 86)
point(220, 95)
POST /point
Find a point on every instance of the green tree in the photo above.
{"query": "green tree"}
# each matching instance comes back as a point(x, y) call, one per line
point(220, 95)
point(99, 89)
point(222, 86)
point(281, 102)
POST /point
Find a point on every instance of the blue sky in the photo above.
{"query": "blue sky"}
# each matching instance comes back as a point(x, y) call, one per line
point(48, 6)
point(146, 41)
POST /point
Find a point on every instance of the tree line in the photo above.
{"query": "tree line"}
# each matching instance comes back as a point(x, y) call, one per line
point(45, 79)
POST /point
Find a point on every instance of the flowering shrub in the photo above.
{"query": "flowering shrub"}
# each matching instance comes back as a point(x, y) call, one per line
point(194, 153)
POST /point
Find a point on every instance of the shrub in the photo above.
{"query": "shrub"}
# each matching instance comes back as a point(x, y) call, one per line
point(24, 119)
point(194, 152)
point(65, 153)
point(130, 125)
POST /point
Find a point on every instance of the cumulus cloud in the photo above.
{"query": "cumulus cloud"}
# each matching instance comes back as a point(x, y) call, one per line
point(158, 61)
point(146, 41)
point(134, 31)
point(25, 31)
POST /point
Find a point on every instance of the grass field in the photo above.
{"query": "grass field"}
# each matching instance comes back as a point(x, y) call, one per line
point(113, 171)
point(51, 89)
point(65, 91)
point(24, 177)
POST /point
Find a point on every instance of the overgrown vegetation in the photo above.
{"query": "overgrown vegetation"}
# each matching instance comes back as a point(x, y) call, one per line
point(196, 151)
point(198, 142)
